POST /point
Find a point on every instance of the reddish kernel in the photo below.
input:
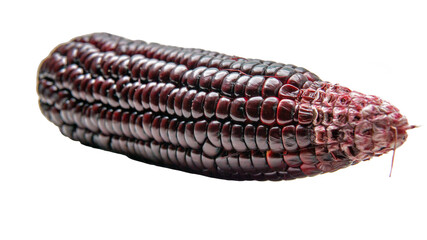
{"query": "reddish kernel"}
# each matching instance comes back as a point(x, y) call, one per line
point(222, 108)
point(288, 91)
point(268, 110)
point(253, 107)
point(285, 112)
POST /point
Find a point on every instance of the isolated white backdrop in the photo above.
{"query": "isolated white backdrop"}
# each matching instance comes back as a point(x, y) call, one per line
point(54, 188)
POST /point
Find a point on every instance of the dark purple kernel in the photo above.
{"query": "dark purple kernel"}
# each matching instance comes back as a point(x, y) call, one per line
point(197, 105)
point(289, 139)
point(200, 131)
point(166, 70)
point(143, 73)
point(193, 78)
point(178, 101)
point(258, 69)
point(297, 80)
point(139, 127)
point(187, 103)
point(155, 129)
point(121, 83)
point(226, 136)
point(223, 108)
point(116, 122)
point(184, 77)
point(288, 91)
point(101, 123)
point(261, 138)
point(171, 101)
point(123, 68)
point(249, 136)
point(237, 138)
point(131, 125)
point(180, 156)
point(254, 86)
point(106, 66)
point(237, 109)
point(103, 91)
point(134, 96)
point(172, 56)
point(193, 60)
point(214, 62)
point(285, 112)
point(268, 110)
point(271, 87)
point(172, 155)
point(190, 162)
point(113, 100)
point(206, 78)
point(145, 96)
point(225, 64)
point(180, 135)
point(227, 85)
point(208, 163)
point(173, 127)
point(284, 73)
point(176, 74)
point(189, 136)
point(275, 139)
point(253, 107)
point(236, 65)
point(233, 162)
point(272, 69)
point(210, 104)
point(153, 72)
point(240, 86)
point(147, 122)
point(196, 156)
point(134, 59)
point(184, 57)
point(204, 61)
point(151, 49)
point(136, 69)
point(303, 136)
point(164, 94)
point(245, 163)
point(308, 156)
point(292, 159)
point(154, 97)
point(155, 149)
point(213, 133)
point(210, 150)
point(222, 163)
point(310, 170)
point(140, 148)
point(97, 88)
point(164, 154)
point(247, 67)
point(164, 127)
point(216, 82)
point(82, 93)
point(123, 100)
point(275, 161)
point(259, 161)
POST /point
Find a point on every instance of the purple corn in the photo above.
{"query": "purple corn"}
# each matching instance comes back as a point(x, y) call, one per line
point(209, 113)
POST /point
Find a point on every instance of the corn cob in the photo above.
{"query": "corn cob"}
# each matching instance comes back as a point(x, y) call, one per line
point(209, 113)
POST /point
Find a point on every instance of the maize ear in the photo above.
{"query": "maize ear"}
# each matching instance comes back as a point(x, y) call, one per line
point(209, 113)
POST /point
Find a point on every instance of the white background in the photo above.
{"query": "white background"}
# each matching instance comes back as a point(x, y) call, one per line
point(54, 188)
